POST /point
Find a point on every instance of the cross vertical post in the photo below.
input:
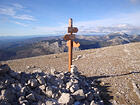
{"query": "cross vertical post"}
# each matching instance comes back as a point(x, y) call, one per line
point(70, 46)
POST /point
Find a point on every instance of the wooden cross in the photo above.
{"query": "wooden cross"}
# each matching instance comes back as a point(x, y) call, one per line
point(70, 43)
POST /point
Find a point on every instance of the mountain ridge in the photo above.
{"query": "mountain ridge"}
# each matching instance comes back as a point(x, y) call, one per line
point(45, 45)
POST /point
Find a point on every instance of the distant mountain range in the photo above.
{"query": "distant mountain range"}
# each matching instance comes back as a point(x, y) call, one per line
point(23, 47)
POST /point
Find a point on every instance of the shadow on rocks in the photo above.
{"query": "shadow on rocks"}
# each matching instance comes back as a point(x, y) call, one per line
point(103, 90)
point(114, 75)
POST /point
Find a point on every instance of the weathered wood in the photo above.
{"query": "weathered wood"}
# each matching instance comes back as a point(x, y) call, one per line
point(75, 44)
point(70, 47)
point(70, 43)
point(69, 37)
point(72, 29)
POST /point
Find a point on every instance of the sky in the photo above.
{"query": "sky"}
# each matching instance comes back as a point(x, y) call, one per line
point(50, 17)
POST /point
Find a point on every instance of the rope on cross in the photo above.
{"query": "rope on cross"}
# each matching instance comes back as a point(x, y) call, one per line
point(70, 43)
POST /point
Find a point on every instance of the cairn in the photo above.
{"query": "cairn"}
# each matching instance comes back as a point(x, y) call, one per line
point(56, 88)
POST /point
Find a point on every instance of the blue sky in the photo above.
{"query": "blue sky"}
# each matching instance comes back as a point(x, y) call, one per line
point(43, 17)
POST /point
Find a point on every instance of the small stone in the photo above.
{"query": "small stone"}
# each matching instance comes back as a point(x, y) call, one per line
point(8, 94)
point(49, 92)
point(65, 99)
point(86, 103)
point(28, 67)
point(50, 102)
point(74, 69)
point(24, 102)
point(24, 90)
point(90, 96)
point(31, 97)
point(21, 98)
point(68, 85)
point(33, 82)
point(42, 87)
point(53, 71)
point(79, 95)
point(74, 87)
point(41, 80)
point(93, 103)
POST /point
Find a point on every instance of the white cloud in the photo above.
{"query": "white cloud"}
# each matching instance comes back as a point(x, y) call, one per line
point(13, 12)
point(127, 28)
point(128, 23)
point(7, 11)
point(19, 23)
point(18, 6)
point(25, 17)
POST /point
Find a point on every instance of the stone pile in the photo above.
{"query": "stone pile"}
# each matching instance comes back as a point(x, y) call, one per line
point(56, 88)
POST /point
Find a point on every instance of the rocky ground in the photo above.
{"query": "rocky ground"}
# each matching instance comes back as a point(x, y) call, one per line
point(116, 70)
point(38, 88)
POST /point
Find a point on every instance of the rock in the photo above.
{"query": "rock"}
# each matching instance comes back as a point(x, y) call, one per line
point(31, 97)
point(33, 82)
point(4, 69)
point(93, 103)
point(41, 80)
point(86, 103)
point(68, 85)
point(74, 69)
point(78, 57)
point(42, 87)
point(51, 102)
point(14, 75)
point(90, 96)
point(53, 71)
point(65, 98)
point(17, 87)
point(136, 89)
point(79, 95)
point(28, 67)
point(49, 92)
point(57, 88)
point(8, 94)
point(37, 70)
point(24, 102)
point(21, 98)
point(74, 87)
point(24, 90)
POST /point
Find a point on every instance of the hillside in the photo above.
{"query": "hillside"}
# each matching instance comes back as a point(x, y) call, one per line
point(16, 48)
point(117, 69)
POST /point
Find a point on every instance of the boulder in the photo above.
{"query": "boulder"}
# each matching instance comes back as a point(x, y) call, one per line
point(65, 98)
point(79, 95)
